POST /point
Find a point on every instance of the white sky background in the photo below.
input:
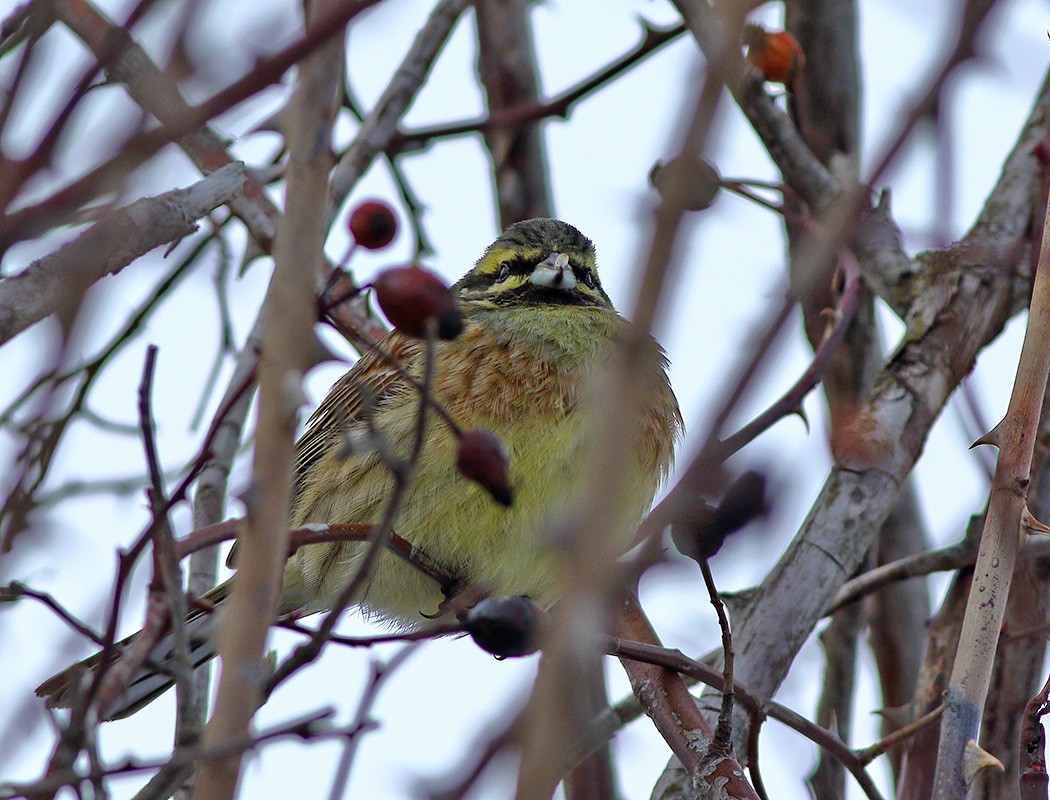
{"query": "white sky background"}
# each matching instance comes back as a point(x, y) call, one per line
point(433, 711)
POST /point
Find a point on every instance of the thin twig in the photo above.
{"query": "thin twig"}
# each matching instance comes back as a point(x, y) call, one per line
point(870, 753)
point(653, 38)
point(361, 723)
point(166, 588)
point(315, 533)
point(306, 728)
point(15, 589)
point(723, 740)
point(365, 345)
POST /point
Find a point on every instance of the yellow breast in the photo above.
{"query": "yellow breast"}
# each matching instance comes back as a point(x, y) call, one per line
point(520, 374)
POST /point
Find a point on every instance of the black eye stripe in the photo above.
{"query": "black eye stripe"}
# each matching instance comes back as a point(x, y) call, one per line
point(515, 266)
point(523, 267)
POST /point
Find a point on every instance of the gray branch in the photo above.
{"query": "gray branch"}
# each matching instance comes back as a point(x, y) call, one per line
point(379, 127)
point(966, 303)
point(57, 281)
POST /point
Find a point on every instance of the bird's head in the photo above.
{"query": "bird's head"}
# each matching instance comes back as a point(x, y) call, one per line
point(535, 262)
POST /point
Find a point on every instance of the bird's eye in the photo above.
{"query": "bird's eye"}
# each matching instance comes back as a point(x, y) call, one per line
point(504, 271)
point(588, 278)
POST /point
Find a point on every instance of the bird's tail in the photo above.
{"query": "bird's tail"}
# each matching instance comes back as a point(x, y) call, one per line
point(153, 679)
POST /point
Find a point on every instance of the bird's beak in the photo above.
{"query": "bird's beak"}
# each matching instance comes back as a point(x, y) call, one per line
point(554, 272)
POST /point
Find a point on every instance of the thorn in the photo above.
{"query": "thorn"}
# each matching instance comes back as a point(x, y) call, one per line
point(897, 716)
point(885, 200)
point(802, 414)
point(252, 251)
point(992, 437)
point(975, 760)
point(833, 723)
point(830, 317)
point(1030, 524)
point(275, 123)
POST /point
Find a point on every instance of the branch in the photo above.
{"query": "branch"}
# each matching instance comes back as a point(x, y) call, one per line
point(315, 533)
point(508, 72)
point(31, 220)
point(58, 281)
point(379, 536)
point(15, 589)
point(653, 38)
point(306, 728)
point(379, 127)
point(156, 92)
point(1032, 776)
point(298, 257)
point(791, 401)
point(668, 703)
point(554, 718)
point(993, 572)
point(361, 723)
point(957, 319)
point(647, 651)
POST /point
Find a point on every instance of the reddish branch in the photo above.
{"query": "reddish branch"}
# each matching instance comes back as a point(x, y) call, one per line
point(668, 701)
point(316, 533)
point(673, 710)
point(653, 39)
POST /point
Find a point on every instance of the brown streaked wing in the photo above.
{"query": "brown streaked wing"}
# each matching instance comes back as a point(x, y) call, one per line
point(343, 405)
point(368, 381)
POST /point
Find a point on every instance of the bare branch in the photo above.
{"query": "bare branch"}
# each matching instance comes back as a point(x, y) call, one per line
point(298, 262)
point(508, 71)
point(379, 127)
point(999, 542)
point(58, 281)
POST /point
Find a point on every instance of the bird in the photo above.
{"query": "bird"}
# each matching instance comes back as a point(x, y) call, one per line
point(537, 327)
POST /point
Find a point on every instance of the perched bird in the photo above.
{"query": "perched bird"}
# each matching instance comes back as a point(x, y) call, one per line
point(537, 325)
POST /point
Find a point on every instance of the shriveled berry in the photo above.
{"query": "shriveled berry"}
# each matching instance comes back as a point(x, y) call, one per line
point(697, 534)
point(373, 225)
point(700, 532)
point(687, 182)
point(409, 296)
point(507, 627)
point(483, 458)
point(743, 501)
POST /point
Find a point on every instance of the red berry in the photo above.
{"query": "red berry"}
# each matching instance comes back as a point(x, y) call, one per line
point(373, 225)
point(409, 296)
point(776, 54)
point(483, 458)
